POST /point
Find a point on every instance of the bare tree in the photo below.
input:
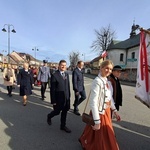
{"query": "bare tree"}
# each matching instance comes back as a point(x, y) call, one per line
point(74, 58)
point(104, 36)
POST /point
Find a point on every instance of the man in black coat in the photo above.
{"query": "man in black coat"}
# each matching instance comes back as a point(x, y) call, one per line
point(60, 95)
point(78, 86)
point(117, 90)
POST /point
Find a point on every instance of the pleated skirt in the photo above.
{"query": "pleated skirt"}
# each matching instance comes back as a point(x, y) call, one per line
point(103, 139)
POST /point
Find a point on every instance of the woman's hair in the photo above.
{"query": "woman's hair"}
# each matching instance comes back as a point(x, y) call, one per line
point(106, 63)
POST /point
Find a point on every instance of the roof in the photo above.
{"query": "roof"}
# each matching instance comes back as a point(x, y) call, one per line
point(131, 42)
point(15, 59)
point(96, 59)
point(28, 56)
point(127, 44)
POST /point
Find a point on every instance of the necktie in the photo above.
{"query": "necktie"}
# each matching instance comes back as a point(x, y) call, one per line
point(63, 75)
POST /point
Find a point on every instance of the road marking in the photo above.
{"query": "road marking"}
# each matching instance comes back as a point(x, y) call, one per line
point(118, 126)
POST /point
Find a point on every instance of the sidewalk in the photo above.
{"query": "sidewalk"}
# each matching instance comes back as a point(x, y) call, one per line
point(128, 83)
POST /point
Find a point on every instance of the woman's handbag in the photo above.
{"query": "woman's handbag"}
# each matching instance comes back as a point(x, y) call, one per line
point(7, 78)
point(87, 118)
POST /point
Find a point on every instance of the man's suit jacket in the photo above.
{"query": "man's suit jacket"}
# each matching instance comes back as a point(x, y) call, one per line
point(117, 90)
point(60, 89)
point(77, 80)
point(44, 74)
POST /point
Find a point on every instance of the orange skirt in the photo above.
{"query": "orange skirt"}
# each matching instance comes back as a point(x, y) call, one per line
point(103, 139)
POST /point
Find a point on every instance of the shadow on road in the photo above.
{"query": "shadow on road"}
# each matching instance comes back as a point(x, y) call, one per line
point(26, 127)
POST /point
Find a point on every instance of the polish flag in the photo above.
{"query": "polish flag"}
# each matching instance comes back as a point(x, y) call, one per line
point(104, 54)
point(142, 91)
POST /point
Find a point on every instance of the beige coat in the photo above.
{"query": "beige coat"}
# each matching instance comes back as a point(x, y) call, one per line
point(12, 79)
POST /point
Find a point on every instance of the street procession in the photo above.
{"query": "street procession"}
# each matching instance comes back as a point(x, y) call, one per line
point(73, 77)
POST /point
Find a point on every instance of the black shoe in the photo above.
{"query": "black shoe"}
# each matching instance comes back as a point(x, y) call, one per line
point(44, 96)
point(76, 107)
point(10, 95)
point(77, 113)
point(49, 121)
point(65, 129)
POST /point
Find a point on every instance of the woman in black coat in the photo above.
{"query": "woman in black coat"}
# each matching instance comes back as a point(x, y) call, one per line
point(25, 82)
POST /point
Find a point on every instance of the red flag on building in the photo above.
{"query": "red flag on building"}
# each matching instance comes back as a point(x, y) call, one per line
point(104, 54)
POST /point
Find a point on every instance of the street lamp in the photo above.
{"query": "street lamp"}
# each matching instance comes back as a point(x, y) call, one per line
point(35, 49)
point(83, 56)
point(14, 31)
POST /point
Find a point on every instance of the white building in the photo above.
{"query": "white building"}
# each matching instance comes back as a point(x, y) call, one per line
point(126, 53)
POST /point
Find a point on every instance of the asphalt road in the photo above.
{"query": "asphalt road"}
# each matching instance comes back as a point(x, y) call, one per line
point(25, 128)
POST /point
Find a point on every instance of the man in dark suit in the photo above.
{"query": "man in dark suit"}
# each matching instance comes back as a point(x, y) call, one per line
point(60, 95)
point(78, 86)
point(117, 90)
point(43, 77)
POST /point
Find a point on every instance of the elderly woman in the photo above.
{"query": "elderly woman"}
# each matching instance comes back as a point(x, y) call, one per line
point(9, 78)
point(101, 135)
point(25, 82)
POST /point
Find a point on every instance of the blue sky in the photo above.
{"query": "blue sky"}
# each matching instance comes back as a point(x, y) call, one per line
point(57, 27)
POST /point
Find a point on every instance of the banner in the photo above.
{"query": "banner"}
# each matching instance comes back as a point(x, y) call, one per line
point(142, 91)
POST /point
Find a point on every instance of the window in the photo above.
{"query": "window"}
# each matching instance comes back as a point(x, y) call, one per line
point(133, 55)
point(121, 57)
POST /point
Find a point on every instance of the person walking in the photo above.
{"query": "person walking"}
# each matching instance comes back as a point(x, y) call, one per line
point(35, 73)
point(78, 86)
point(25, 82)
point(9, 78)
point(101, 135)
point(43, 77)
point(117, 90)
point(60, 95)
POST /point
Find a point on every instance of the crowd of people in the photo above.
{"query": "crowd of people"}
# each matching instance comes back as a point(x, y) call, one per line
point(105, 97)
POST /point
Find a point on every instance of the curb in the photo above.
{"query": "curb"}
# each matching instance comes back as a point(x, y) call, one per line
point(128, 83)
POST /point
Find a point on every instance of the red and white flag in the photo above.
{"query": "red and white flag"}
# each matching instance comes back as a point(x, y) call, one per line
point(104, 54)
point(142, 91)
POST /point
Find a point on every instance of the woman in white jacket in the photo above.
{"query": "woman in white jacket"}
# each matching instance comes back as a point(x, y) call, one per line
point(101, 136)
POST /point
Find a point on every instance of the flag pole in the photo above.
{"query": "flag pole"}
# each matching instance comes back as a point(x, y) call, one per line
point(147, 31)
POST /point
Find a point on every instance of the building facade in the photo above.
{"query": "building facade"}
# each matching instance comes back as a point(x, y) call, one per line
point(126, 53)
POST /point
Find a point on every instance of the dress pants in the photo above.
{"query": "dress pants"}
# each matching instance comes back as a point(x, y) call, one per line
point(43, 88)
point(79, 99)
point(56, 111)
point(9, 89)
